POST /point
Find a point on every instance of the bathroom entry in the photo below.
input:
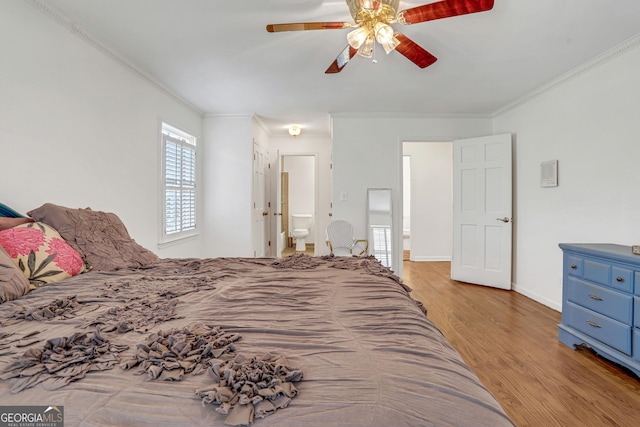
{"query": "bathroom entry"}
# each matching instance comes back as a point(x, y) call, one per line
point(297, 204)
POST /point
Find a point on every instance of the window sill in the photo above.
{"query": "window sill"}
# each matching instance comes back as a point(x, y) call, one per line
point(177, 240)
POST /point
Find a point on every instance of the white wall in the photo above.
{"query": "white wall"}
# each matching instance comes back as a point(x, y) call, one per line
point(431, 200)
point(228, 184)
point(78, 128)
point(367, 153)
point(321, 149)
point(589, 123)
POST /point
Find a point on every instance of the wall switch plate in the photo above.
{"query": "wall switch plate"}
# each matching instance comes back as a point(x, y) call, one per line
point(343, 195)
point(635, 249)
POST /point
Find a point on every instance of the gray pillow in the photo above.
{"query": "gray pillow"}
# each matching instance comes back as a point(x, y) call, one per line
point(100, 237)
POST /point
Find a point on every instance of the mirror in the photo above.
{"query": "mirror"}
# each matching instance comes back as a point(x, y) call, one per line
point(379, 221)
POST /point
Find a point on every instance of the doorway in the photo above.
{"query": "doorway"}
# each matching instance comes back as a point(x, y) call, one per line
point(298, 201)
point(427, 200)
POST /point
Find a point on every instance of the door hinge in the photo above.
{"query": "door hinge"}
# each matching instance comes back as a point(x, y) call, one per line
point(269, 243)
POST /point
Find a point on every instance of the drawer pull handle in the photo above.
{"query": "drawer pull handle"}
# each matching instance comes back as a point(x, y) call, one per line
point(573, 266)
point(619, 279)
point(595, 325)
point(595, 297)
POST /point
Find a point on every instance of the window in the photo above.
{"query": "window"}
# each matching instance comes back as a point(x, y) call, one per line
point(179, 183)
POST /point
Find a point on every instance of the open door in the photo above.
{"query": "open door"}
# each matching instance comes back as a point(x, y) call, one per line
point(278, 206)
point(260, 210)
point(482, 211)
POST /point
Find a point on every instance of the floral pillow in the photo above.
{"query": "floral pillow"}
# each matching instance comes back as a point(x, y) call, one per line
point(41, 254)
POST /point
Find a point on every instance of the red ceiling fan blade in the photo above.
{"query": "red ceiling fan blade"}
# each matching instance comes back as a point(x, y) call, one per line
point(342, 60)
point(443, 9)
point(413, 52)
point(303, 26)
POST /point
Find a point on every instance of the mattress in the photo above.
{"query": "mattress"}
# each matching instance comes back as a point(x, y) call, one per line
point(347, 343)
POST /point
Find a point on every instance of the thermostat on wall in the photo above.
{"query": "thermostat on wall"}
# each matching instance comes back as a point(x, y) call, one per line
point(635, 249)
point(549, 173)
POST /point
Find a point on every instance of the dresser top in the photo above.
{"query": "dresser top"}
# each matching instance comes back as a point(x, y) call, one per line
point(608, 250)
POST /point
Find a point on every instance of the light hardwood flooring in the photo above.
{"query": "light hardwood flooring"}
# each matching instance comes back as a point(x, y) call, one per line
point(511, 342)
point(310, 250)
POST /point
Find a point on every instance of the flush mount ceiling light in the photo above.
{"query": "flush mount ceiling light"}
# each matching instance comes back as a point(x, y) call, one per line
point(294, 130)
point(373, 20)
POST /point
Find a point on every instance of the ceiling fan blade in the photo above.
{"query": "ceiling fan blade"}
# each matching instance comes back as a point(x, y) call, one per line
point(413, 52)
point(342, 60)
point(303, 26)
point(443, 9)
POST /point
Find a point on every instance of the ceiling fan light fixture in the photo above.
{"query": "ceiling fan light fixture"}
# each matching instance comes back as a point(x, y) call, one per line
point(384, 32)
point(357, 37)
point(391, 45)
point(366, 50)
point(370, 4)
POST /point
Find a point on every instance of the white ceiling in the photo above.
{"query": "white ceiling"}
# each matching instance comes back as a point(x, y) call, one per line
point(217, 56)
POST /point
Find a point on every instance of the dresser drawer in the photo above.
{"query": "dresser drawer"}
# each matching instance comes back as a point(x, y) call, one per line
point(574, 265)
point(637, 280)
point(600, 299)
point(636, 312)
point(602, 328)
point(622, 278)
point(597, 271)
point(636, 344)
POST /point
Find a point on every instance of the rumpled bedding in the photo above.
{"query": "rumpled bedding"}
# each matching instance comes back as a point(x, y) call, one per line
point(245, 388)
point(62, 360)
point(169, 355)
point(131, 347)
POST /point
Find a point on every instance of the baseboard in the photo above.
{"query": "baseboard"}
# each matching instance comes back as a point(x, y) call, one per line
point(430, 258)
point(542, 300)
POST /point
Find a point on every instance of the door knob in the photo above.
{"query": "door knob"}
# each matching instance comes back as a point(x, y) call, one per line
point(265, 213)
point(505, 219)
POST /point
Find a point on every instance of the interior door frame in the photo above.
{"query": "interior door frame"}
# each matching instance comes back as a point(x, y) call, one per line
point(398, 207)
point(316, 195)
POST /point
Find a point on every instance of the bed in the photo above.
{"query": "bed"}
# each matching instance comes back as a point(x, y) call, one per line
point(295, 341)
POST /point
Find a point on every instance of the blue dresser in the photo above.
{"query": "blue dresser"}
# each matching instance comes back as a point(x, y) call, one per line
point(601, 301)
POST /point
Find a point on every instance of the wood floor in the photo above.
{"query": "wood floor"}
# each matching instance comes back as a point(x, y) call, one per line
point(511, 342)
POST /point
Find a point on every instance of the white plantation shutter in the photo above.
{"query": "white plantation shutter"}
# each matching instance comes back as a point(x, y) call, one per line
point(179, 183)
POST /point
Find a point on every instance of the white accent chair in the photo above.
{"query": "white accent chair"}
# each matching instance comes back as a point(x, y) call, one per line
point(341, 242)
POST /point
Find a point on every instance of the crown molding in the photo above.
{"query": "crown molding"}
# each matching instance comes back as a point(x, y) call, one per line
point(47, 9)
point(408, 115)
point(603, 58)
point(229, 115)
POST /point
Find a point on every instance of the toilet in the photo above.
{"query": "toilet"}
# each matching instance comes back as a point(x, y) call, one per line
point(301, 225)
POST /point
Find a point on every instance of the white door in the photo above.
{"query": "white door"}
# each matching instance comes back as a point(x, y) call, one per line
point(482, 222)
point(260, 212)
point(277, 207)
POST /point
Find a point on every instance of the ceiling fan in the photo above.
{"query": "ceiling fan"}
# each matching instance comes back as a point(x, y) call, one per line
point(373, 19)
